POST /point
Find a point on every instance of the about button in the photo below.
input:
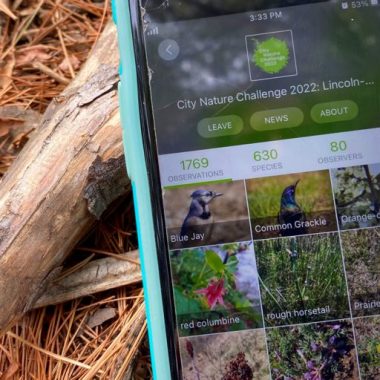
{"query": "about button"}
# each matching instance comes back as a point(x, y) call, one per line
point(220, 126)
point(270, 120)
point(332, 112)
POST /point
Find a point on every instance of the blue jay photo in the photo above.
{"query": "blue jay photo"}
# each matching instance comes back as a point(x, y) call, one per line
point(199, 212)
point(207, 214)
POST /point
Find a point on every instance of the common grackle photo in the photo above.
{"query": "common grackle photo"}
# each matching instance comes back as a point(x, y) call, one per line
point(199, 213)
point(291, 212)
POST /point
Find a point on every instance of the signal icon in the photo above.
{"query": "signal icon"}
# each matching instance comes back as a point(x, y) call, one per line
point(153, 31)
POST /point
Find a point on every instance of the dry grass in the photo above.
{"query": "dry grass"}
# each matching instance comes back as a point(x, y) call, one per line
point(57, 343)
point(43, 49)
point(43, 44)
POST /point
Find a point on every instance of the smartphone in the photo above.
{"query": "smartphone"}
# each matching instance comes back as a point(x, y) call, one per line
point(252, 140)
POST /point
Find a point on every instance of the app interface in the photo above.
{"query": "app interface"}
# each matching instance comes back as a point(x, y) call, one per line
point(268, 134)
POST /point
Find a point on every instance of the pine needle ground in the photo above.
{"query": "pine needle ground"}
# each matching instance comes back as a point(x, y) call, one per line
point(43, 45)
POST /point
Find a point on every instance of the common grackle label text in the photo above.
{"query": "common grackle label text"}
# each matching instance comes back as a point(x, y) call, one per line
point(298, 224)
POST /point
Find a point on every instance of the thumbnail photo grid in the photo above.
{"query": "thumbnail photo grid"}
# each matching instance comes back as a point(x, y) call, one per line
point(367, 333)
point(225, 356)
point(289, 205)
point(357, 196)
point(361, 249)
point(316, 351)
point(206, 214)
point(216, 289)
point(302, 279)
point(277, 277)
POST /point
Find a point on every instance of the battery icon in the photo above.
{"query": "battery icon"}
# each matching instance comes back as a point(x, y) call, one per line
point(344, 5)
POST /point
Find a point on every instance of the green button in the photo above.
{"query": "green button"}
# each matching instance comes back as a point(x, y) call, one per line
point(220, 126)
point(270, 120)
point(333, 112)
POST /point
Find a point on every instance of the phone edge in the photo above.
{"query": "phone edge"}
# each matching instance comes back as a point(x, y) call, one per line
point(137, 170)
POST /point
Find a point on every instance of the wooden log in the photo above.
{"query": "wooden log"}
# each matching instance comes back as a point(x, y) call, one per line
point(44, 196)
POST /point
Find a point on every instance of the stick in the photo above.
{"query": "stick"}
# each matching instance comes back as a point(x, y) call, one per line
point(51, 73)
point(96, 276)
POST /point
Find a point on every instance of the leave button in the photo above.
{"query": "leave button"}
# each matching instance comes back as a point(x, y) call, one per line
point(332, 112)
point(220, 126)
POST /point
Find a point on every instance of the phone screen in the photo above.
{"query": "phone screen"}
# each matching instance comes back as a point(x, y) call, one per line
point(266, 119)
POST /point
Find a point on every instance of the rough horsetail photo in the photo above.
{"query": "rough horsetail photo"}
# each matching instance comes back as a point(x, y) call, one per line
point(302, 279)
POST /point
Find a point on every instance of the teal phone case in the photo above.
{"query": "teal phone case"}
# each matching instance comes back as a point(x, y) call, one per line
point(137, 171)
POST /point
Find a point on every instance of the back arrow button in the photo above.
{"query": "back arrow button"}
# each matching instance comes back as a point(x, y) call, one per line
point(168, 50)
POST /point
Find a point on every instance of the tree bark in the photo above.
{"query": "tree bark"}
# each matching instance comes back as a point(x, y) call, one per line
point(63, 179)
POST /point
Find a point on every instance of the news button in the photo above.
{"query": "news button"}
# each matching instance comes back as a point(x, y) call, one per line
point(280, 118)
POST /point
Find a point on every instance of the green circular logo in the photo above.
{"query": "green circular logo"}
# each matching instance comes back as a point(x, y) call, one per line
point(271, 55)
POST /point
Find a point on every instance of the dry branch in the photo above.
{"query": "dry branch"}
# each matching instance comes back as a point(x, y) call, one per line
point(96, 276)
point(43, 210)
